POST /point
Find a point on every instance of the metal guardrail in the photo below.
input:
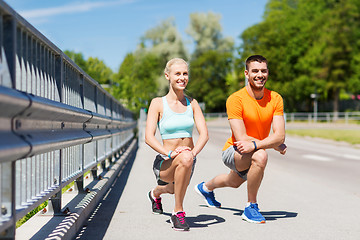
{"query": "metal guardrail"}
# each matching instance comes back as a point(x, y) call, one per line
point(56, 122)
point(347, 117)
point(324, 117)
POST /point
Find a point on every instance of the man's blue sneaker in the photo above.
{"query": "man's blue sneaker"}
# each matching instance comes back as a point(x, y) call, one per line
point(252, 214)
point(209, 196)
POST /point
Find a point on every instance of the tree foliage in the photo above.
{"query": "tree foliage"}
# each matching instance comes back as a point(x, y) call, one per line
point(208, 74)
point(206, 31)
point(98, 70)
point(77, 58)
point(211, 65)
point(164, 41)
point(94, 67)
point(135, 83)
point(312, 46)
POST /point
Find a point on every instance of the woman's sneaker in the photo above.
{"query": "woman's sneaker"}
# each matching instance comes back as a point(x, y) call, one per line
point(209, 196)
point(251, 214)
point(179, 222)
point(156, 204)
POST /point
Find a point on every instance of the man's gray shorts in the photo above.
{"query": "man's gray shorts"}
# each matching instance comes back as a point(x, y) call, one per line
point(159, 159)
point(229, 160)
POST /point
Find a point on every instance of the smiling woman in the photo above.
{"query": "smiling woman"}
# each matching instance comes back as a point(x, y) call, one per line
point(175, 114)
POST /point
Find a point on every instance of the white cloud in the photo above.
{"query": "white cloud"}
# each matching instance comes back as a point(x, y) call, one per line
point(70, 8)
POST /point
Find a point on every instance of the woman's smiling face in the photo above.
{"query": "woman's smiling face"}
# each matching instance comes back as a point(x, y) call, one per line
point(178, 76)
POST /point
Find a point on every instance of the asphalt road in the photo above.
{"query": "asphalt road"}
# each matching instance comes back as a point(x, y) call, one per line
point(310, 193)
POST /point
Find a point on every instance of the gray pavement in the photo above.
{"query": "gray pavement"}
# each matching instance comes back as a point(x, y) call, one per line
point(311, 192)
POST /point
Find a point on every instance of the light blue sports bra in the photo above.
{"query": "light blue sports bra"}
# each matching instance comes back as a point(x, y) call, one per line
point(176, 125)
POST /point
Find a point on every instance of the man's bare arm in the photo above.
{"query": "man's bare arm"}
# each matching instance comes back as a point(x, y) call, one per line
point(245, 143)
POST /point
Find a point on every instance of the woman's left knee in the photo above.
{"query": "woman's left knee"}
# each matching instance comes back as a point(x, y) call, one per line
point(186, 159)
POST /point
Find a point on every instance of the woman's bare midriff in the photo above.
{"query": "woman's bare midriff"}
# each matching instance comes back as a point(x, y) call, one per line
point(172, 144)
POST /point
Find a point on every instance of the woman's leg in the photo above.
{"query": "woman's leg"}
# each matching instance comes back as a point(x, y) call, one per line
point(178, 170)
point(161, 189)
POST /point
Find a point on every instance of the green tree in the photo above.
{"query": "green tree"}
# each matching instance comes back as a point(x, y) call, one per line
point(309, 45)
point(77, 58)
point(94, 67)
point(206, 31)
point(337, 47)
point(209, 72)
point(163, 41)
point(98, 70)
point(135, 83)
point(211, 65)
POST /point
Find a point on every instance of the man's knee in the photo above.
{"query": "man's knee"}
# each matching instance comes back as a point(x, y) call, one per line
point(260, 158)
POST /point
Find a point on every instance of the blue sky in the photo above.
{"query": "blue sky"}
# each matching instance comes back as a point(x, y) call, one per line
point(109, 29)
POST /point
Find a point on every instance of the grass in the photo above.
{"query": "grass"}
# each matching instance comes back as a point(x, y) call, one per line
point(30, 214)
point(351, 136)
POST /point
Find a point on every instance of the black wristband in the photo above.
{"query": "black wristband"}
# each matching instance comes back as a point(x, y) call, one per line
point(254, 145)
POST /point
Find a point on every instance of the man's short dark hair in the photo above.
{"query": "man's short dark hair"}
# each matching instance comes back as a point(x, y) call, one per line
point(255, 58)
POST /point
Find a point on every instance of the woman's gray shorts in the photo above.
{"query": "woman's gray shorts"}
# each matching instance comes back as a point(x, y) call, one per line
point(229, 160)
point(159, 159)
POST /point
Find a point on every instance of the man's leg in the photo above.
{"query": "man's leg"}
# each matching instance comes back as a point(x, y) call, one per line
point(231, 179)
point(254, 177)
point(256, 174)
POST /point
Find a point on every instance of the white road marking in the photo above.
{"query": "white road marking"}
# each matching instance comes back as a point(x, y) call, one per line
point(353, 157)
point(317, 157)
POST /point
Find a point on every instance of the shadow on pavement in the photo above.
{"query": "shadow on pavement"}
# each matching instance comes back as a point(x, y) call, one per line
point(201, 221)
point(95, 227)
point(269, 215)
point(274, 215)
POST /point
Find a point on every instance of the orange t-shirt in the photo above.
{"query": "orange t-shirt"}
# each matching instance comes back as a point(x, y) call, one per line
point(256, 114)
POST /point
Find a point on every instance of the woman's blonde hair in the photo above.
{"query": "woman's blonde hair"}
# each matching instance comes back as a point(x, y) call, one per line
point(172, 62)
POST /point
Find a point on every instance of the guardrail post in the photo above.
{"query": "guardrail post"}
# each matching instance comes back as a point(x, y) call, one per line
point(103, 165)
point(54, 205)
point(346, 117)
point(8, 197)
point(10, 46)
point(59, 76)
point(328, 119)
point(111, 161)
point(94, 172)
point(79, 184)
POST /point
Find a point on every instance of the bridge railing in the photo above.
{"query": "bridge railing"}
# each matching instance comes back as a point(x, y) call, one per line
point(310, 117)
point(56, 122)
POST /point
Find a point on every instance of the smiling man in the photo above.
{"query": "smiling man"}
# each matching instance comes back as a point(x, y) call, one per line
point(251, 112)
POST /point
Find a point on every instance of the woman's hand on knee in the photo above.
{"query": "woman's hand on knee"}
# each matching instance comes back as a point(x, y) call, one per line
point(177, 151)
point(182, 149)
